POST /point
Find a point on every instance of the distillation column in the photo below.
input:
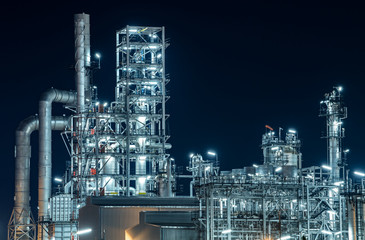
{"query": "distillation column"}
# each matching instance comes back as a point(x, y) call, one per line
point(334, 110)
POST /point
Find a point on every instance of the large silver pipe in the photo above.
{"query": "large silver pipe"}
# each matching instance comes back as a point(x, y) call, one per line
point(22, 163)
point(45, 145)
point(22, 169)
point(80, 68)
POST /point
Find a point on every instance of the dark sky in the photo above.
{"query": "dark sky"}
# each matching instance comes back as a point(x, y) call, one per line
point(233, 69)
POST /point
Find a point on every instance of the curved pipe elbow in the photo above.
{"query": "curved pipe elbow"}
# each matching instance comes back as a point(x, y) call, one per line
point(55, 95)
point(28, 125)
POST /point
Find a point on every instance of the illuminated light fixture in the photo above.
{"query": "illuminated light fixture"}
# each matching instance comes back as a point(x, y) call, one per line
point(207, 168)
point(309, 176)
point(78, 206)
point(142, 158)
point(159, 55)
point(346, 151)
point(359, 174)
point(97, 55)
point(335, 190)
point(151, 68)
point(141, 179)
point(58, 179)
point(338, 183)
point(97, 104)
point(275, 148)
point(191, 155)
point(254, 165)
point(105, 104)
point(142, 99)
point(326, 167)
point(212, 153)
point(226, 231)
point(153, 47)
point(337, 123)
point(326, 232)
point(339, 88)
point(132, 30)
point(285, 238)
point(331, 212)
point(336, 233)
point(292, 131)
point(278, 169)
point(83, 231)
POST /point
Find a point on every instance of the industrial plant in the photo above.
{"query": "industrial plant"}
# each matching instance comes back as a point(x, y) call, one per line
point(121, 182)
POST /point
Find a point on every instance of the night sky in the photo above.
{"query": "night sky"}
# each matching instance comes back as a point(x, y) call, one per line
point(233, 69)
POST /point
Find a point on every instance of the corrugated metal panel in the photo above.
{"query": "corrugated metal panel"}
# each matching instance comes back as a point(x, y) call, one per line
point(62, 231)
point(61, 208)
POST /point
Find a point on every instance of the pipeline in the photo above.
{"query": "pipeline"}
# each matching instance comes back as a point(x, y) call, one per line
point(22, 165)
point(45, 145)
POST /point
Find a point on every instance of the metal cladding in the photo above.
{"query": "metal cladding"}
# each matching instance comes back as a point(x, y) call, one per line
point(81, 24)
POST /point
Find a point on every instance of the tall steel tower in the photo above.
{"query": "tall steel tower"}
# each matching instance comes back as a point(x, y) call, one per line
point(140, 98)
point(332, 107)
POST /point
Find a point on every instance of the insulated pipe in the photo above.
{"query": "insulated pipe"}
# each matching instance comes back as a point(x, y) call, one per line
point(82, 49)
point(22, 163)
point(22, 169)
point(45, 144)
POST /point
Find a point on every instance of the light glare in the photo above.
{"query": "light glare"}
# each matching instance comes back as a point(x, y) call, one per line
point(326, 167)
point(359, 174)
point(84, 231)
point(226, 231)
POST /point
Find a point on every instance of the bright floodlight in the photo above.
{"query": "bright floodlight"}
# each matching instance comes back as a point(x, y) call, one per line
point(275, 148)
point(278, 169)
point(84, 231)
point(226, 231)
point(326, 232)
point(331, 212)
point(105, 104)
point(191, 155)
point(58, 179)
point(97, 104)
point(97, 55)
point(292, 131)
point(339, 88)
point(285, 238)
point(338, 183)
point(359, 174)
point(212, 153)
point(326, 167)
point(346, 151)
point(254, 165)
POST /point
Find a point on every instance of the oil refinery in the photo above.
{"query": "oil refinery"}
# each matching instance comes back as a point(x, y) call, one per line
point(121, 182)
